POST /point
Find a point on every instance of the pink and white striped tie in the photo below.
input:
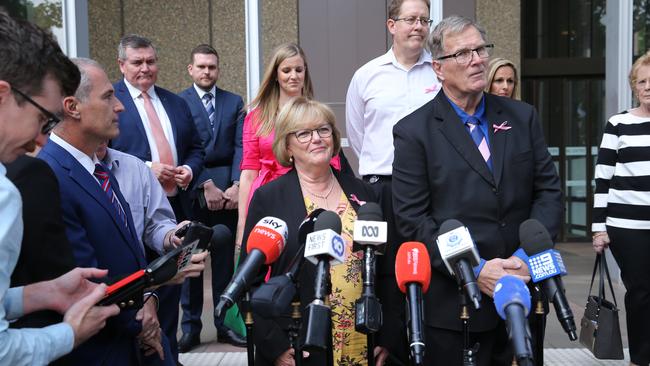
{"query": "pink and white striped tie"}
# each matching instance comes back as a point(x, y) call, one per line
point(474, 126)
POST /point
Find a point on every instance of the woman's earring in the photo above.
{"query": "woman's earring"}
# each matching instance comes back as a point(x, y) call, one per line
point(291, 159)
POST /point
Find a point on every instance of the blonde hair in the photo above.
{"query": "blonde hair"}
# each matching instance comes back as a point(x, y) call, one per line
point(493, 66)
point(293, 116)
point(641, 61)
point(268, 97)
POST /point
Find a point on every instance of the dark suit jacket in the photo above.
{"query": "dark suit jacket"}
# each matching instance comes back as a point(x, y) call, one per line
point(439, 174)
point(99, 239)
point(223, 143)
point(45, 252)
point(133, 138)
point(283, 198)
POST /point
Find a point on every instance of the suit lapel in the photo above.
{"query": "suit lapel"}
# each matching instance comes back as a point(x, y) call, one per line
point(218, 113)
point(130, 109)
point(454, 131)
point(498, 139)
point(80, 176)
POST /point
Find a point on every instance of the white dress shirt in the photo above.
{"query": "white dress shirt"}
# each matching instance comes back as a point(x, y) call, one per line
point(202, 92)
point(381, 93)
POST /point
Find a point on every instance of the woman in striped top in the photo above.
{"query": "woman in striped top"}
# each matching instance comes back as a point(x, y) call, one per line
point(622, 206)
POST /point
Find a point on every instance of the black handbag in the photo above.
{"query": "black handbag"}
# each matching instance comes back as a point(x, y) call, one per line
point(600, 330)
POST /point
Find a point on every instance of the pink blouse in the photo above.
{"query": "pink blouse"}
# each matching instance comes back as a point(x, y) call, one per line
point(258, 155)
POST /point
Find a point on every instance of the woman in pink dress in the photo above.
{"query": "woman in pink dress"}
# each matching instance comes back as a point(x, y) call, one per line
point(286, 76)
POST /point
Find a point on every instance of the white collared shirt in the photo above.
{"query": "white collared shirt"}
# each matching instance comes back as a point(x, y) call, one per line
point(381, 93)
point(136, 94)
point(202, 92)
point(86, 162)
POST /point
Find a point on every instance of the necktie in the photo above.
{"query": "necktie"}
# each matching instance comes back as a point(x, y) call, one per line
point(474, 126)
point(164, 150)
point(102, 175)
point(207, 101)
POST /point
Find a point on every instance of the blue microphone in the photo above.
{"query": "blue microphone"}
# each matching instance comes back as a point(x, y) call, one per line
point(512, 302)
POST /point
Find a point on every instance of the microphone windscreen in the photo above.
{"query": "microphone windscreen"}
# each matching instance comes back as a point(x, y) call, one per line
point(534, 237)
point(328, 220)
point(269, 237)
point(510, 290)
point(449, 225)
point(370, 211)
point(220, 234)
point(412, 265)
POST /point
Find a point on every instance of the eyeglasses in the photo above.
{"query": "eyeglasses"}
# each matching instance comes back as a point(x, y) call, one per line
point(426, 22)
point(464, 57)
point(305, 136)
point(52, 119)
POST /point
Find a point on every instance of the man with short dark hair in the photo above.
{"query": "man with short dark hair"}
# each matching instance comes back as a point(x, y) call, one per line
point(34, 77)
point(480, 159)
point(219, 118)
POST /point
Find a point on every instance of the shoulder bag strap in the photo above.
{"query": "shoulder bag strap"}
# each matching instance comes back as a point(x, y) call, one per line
point(609, 279)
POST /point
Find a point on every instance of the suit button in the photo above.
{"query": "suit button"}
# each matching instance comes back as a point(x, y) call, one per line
point(502, 224)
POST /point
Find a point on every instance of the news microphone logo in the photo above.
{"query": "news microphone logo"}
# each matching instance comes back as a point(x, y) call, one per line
point(413, 258)
point(546, 264)
point(325, 242)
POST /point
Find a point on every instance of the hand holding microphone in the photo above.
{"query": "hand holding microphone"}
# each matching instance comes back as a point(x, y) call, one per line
point(265, 243)
point(413, 274)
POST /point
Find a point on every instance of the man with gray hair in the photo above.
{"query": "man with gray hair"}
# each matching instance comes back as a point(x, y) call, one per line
point(482, 160)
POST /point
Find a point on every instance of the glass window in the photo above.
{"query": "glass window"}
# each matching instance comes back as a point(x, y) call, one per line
point(641, 26)
point(47, 14)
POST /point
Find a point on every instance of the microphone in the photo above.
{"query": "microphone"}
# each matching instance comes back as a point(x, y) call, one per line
point(324, 247)
point(512, 302)
point(413, 274)
point(264, 245)
point(460, 255)
point(546, 268)
point(272, 298)
point(370, 231)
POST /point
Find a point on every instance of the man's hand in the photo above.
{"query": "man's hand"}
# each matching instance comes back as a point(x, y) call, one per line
point(600, 241)
point(214, 197)
point(517, 267)
point(149, 319)
point(182, 176)
point(67, 289)
point(153, 344)
point(172, 241)
point(286, 359)
point(232, 197)
point(194, 269)
point(85, 318)
point(163, 172)
point(493, 270)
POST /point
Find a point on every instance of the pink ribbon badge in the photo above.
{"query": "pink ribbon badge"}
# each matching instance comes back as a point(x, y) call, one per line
point(431, 89)
point(502, 127)
point(354, 198)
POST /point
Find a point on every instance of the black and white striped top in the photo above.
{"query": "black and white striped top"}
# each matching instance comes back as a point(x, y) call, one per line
point(622, 197)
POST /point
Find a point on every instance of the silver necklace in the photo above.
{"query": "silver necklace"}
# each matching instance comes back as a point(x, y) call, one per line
point(326, 196)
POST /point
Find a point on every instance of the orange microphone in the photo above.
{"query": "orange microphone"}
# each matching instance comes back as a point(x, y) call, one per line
point(413, 274)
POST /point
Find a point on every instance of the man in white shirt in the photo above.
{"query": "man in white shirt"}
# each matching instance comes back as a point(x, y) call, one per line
point(382, 92)
point(34, 77)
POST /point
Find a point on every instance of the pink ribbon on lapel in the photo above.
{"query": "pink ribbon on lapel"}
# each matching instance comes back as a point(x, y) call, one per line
point(353, 197)
point(501, 127)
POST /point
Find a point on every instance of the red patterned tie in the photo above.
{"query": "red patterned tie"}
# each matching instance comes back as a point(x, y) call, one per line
point(102, 175)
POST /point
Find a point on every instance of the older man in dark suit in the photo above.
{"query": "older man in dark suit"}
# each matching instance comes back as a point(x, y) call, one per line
point(157, 127)
point(219, 118)
point(480, 159)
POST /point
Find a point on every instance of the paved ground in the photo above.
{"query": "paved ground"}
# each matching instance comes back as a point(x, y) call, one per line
point(559, 351)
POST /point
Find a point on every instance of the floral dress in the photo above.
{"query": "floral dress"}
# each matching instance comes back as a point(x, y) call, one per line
point(349, 345)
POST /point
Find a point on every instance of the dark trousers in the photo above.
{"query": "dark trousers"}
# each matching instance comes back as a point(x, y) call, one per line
point(222, 265)
point(631, 249)
point(392, 300)
point(444, 347)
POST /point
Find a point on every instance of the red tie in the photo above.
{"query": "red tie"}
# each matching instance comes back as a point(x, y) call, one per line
point(164, 150)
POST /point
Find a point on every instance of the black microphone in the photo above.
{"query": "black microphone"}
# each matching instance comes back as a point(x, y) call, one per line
point(264, 245)
point(512, 302)
point(546, 266)
point(323, 246)
point(370, 232)
point(459, 253)
point(272, 299)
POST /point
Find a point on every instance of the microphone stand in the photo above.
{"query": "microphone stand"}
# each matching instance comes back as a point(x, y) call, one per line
point(294, 329)
point(248, 321)
point(469, 354)
point(319, 314)
point(368, 315)
point(539, 326)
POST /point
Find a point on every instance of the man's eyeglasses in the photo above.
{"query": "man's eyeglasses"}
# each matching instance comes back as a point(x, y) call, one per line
point(426, 22)
point(305, 136)
point(464, 57)
point(52, 119)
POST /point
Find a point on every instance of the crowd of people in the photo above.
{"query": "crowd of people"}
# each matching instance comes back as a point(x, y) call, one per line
point(120, 167)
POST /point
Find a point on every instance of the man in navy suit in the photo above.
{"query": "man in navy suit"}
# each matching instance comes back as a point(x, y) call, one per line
point(157, 127)
point(480, 159)
point(219, 118)
point(98, 221)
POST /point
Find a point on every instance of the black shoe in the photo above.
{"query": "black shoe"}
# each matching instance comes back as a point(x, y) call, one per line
point(187, 342)
point(229, 336)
